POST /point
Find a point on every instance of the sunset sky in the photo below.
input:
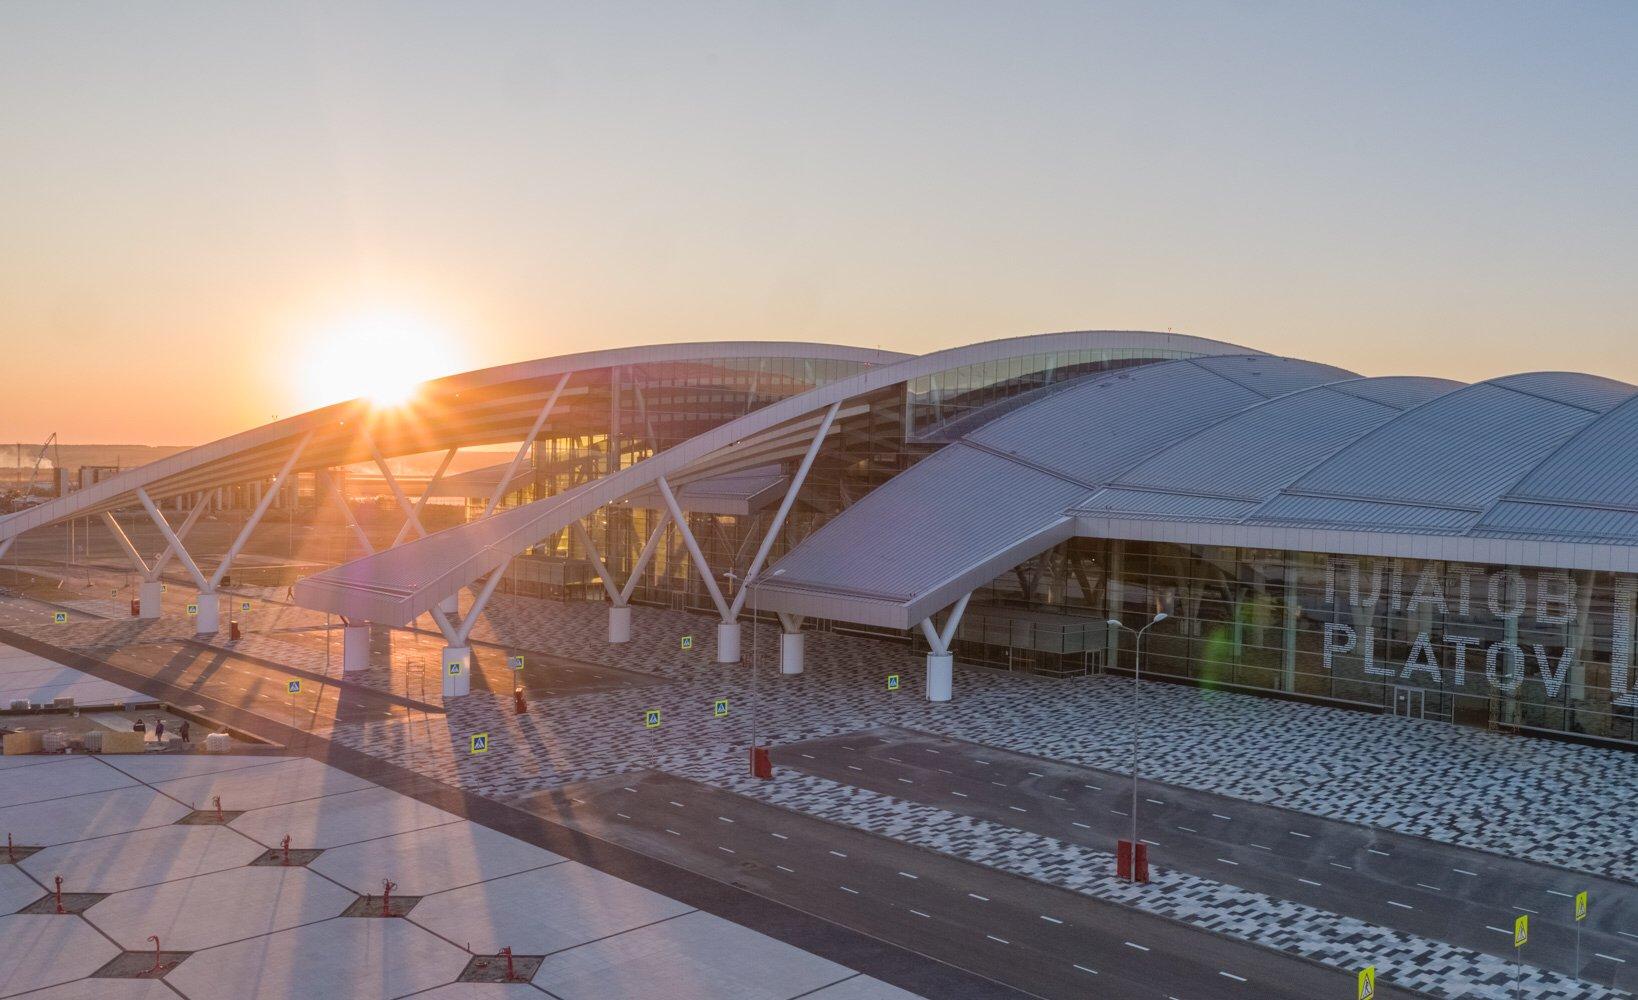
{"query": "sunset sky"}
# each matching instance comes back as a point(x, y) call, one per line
point(210, 212)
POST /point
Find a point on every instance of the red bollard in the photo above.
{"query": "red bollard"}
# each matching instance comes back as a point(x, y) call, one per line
point(761, 765)
point(1129, 869)
point(520, 706)
point(60, 895)
point(511, 973)
point(386, 897)
point(286, 846)
point(159, 966)
point(136, 607)
point(217, 799)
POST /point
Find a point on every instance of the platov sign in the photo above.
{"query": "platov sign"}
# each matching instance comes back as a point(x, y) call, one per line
point(1551, 600)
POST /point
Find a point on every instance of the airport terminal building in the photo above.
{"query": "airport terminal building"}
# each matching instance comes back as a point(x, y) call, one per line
point(1407, 544)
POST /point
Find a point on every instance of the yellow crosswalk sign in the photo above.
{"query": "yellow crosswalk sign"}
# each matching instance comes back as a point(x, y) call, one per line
point(1521, 931)
point(294, 687)
point(60, 617)
point(244, 605)
point(892, 682)
point(1367, 982)
point(1581, 906)
point(719, 708)
point(480, 743)
point(193, 609)
point(515, 662)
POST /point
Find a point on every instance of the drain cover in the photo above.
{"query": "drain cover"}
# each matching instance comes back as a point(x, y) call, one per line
point(370, 906)
point(299, 857)
point(73, 902)
point(14, 854)
point(492, 969)
point(141, 965)
point(210, 817)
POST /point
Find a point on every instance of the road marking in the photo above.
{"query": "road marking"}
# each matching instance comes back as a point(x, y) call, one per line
point(674, 802)
point(992, 937)
point(628, 788)
point(908, 875)
point(1150, 843)
point(846, 889)
point(852, 767)
point(1155, 802)
point(1498, 930)
point(963, 795)
point(1424, 885)
point(1226, 861)
point(1020, 809)
point(1302, 835)
point(999, 784)
point(1085, 969)
point(981, 899)
point(809, 756)
point(1402, 906)
point(784, 869)
point(1095, 788)
point(929, 750)
point(1526, 909)
point(1118, 812)
point(1260, 847)
point(984, 762)
point(1133, 944)
point(850, 750)
point(725, 819)
point(578, 802)
point(839, 854)
point(1060, 798)
point(1307, 881)
point(1230, 975)
point(672, 832)
point(1051, 920)
point(921, 914)
point(728, 850)
point(1383, 854)
point(1625, 934)
point(1342, 866)
point(907, 781)
point(1220, 816)
point(1083, 826)
point(1610, 958)
point(1035, 774)
point(622, 815)
point(1555, 892)
point(1187, 829)
point(895, 760)
point(945, 770)
point(1464, 871)
point(780, 836)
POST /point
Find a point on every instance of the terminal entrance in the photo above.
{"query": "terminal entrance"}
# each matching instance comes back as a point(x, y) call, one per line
point(1409, 702)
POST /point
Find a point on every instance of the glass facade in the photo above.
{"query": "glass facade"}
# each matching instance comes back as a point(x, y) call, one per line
point(1523, 647)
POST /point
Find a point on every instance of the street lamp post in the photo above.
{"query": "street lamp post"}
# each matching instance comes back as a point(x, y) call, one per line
point(1137, 673)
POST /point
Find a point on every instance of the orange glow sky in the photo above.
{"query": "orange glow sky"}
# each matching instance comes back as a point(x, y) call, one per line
point(199, 200)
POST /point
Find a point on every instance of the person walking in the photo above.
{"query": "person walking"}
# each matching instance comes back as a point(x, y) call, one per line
point(184, 731)
point(159, 730)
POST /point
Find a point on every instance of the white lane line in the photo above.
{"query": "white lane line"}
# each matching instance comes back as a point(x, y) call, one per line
point(1526, 909)
point(578, 802)
point(992, 937)
point(674, 802)
point(629, 789)
point(1151, 843)
point(809, 756)
point(672, 832)
point(1083, 826)
point(1019, 809)
point(1424, 885)
point(780, 836)
point(1464, 871)
point(839, 854)
point(1625, 934)
point(1035, 774)
point(1226, 861)
point(725, 819)
point(850, 750)
point(1402, 906)
point(1220, 816)
point(1051, 920)
point(726, 850)
point(1302, 835)
point(1060, 798)
point(1118, 812)
point(907, 781)
point(1230, 975)
point(1134, 944)
point(1498, 930)
point(921, 914)
point(999, 784)
point(1095, 788)
point(1155, 802)
point(945, 770)
point(1382, 854)
point(1307, 881)
point(1188, 829)
point(846, 889)
point(1555, 892)
point(1610, 958)
point(784, 869)
point(1260, 847)
point(622, 815)
point(963, 795)
point(929, 750)
point(908, 875)
point(981, 899)
point(852, 767)
point(984, 762)
point(895, 760)
point(1085, 969)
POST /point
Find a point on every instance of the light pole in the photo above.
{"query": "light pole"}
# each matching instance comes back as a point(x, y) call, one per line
point(756, 703)
point(1137, 672)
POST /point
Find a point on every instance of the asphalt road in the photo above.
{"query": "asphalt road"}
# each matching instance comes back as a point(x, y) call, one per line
point(1040, 940)
point(1464, 897)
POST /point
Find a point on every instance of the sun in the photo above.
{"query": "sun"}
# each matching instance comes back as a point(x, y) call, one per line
point(380, 356)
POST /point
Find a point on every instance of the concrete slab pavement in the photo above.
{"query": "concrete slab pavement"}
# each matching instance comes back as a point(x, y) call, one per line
point(142, 858)
point(38, 951)
point(77, 817)
point(337, 820)
point(431, 860)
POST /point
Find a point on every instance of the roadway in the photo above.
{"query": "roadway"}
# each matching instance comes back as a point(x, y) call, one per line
point(1038, 939)
point(1464, 897)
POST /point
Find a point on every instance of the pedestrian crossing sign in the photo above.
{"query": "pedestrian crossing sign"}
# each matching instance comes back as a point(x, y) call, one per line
point(480, 743)
point(1581, 906)
point(193, 609)
point(651, 719)
point(892, 682)
point(244, 605)
point(294, 687)
point(1367, 982)
point(60, 617)
point(515, 662)
point(1521, 931)
point(719, 708)
point(687, 642)
point(454, 669)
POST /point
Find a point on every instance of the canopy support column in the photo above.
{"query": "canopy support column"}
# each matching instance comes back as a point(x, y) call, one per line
point(727, 629)
point(940, 662)
point(791, 643)
point(457, 658)
point(523, 449)
point(421, 503)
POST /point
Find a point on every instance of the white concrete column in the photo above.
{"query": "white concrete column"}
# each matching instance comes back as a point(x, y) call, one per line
point(939, 676)
point(209, 619)
point(151, 594)
point(450, 605)
point(619, 623)
point(791, 648)
point(727, 642)
point(355, 647)
point(457, 670)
